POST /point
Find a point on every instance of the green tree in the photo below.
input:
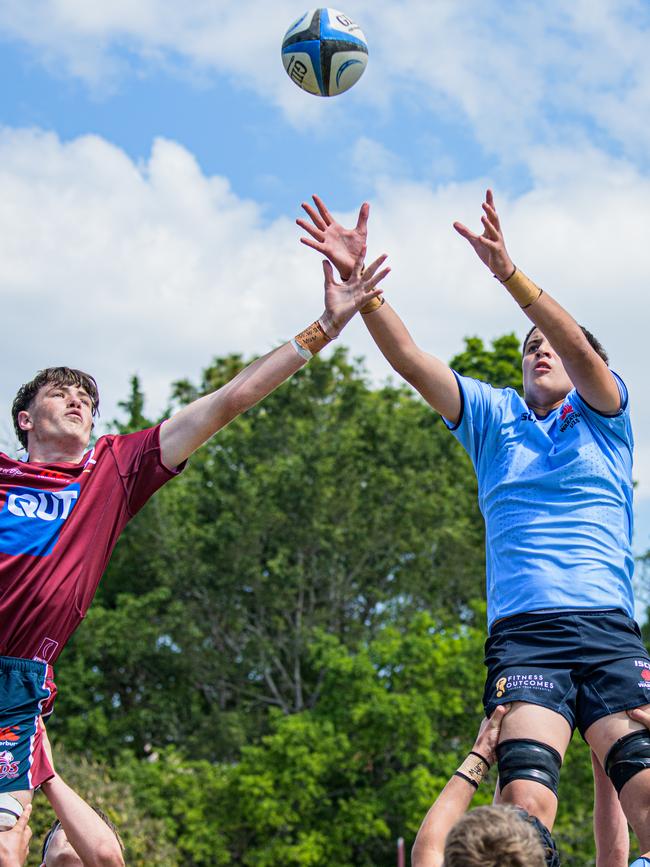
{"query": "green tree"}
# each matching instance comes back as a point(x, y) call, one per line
point(500, 365)
point(331, 506)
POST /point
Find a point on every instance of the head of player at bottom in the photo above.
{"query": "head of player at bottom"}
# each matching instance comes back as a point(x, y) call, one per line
point(57, 851)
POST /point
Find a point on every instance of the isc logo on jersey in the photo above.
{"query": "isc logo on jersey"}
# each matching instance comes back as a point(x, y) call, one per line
point(31, 520)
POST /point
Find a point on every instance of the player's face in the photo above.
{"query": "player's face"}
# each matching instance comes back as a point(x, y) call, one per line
point(546, 382)
point(61, 414)
point(60, 853)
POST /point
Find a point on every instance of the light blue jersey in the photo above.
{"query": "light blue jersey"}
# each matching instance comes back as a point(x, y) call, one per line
point(641, 862)
point(556, 496)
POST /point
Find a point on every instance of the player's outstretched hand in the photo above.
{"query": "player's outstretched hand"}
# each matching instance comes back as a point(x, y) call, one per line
point(488, 734)
point(14, 844)
point(342, 300)
point(331, 239)
point(490, 246)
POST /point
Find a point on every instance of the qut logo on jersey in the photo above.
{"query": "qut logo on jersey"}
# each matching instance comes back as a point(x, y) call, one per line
point(31, 520)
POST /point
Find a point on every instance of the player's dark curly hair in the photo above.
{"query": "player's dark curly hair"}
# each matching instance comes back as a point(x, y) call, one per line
point(592, 340)
point(56, 825)
point(52, 376)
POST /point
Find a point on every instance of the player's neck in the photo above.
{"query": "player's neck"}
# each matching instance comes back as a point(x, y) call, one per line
point(55, 452)
point(542, 410)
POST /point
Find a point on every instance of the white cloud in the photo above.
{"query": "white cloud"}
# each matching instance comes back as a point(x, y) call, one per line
point(155, 268)
point(518, 73)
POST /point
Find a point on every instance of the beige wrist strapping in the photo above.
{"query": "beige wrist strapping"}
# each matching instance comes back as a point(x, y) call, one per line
point(311, 340)
point(522, 288)
point(373, 304)
point(473, 769)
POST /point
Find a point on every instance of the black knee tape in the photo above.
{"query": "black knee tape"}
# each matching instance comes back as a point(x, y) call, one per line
point(522, 759)
point(628, 756)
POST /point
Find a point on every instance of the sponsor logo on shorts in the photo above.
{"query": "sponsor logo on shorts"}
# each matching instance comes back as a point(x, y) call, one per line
point(11, 471)
point(8, 766)
point(9, 735)
point(523, 680)
point(644, 665)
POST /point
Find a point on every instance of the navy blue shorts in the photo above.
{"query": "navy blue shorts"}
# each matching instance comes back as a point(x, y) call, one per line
point(582, 664)
point(26, 692)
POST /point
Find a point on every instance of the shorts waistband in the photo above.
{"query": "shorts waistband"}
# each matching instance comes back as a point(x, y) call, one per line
point(539, 616)
point(14, 663)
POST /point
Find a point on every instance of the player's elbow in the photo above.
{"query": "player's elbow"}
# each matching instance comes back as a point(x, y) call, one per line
point(107, 854)
point(423, 854)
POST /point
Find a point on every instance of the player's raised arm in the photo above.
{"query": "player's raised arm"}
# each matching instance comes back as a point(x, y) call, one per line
point(79, 825)
point(454, 800)
point(428, 374)
point(585, 368)
point(182, 434)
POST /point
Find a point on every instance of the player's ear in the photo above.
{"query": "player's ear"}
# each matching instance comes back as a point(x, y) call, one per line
point(25, 420)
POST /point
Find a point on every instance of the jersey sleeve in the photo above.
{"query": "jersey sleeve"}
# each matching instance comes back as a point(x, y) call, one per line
point(615, 426)
point(478, 402)
point(140, 466)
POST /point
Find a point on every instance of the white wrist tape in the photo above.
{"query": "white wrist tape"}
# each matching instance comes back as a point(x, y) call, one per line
point(305, 353)
point(10, 811)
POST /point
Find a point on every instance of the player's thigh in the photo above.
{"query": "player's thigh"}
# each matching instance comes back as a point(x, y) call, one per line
point(534, 722)
point(532, 744)
point(603, 734)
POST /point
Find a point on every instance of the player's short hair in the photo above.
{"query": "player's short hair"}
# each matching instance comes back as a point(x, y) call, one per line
point(591, 339)
point(52, 376)
point(496, 836)
point(57, 824)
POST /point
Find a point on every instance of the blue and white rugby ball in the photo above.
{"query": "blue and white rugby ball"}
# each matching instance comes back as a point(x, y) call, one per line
point(324, 52)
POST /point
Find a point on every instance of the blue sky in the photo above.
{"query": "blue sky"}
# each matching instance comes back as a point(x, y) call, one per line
point(153, 157)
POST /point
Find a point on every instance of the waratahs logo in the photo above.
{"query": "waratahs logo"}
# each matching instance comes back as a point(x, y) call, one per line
point(8, 766)
point(31, 520)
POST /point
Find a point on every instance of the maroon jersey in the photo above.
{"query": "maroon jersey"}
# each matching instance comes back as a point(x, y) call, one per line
point(58, 526)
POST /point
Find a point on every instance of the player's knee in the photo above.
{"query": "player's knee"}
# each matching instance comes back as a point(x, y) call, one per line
point(627, 757)
point(524, 759)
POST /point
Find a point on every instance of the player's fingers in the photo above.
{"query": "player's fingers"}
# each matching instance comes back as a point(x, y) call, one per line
point(492, 216)
point(312, 230)
point(362, 222)
point(377, 279)
point(374, 266)
point(358, 264)
point(490, 229)
point(24, 818)
point(465, 232)
point(328, 271)
point(313, 216)
point(313, 244)
point(488, 243)
point(322, 210)
point(640, 714)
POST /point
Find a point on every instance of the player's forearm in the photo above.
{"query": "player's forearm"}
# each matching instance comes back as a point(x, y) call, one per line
point(428, 374)
point(90, 837)
point(586, 370)
point(181, 435)
point(452, 803)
